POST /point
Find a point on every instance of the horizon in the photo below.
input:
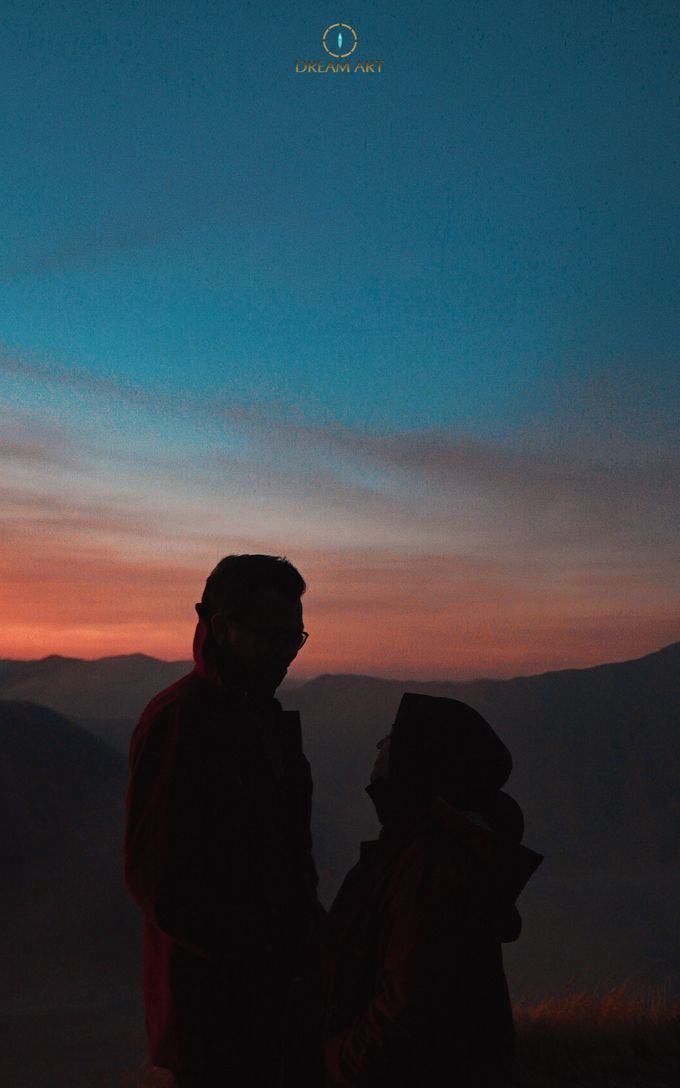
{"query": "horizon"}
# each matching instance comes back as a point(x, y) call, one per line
point(303, 678)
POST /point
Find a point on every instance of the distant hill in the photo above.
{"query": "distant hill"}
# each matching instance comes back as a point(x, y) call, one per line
point(70, 938)
point(64, 913)
point(108, 693)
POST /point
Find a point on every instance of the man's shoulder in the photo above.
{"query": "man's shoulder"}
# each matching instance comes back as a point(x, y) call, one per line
point(188, 691)
point(189, 697)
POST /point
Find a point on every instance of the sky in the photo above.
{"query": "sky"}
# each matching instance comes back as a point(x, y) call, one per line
point(416, 329)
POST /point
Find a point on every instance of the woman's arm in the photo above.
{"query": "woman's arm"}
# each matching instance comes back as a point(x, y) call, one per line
point(424, 930)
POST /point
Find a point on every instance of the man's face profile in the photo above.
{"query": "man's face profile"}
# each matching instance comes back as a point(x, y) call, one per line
point(262, 643)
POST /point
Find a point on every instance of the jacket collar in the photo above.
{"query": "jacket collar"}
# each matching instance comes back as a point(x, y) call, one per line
point(405, 826)
point(500, 867)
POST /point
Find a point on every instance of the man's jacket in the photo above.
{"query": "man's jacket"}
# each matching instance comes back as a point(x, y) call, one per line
point(408, 981)
point(218, 857)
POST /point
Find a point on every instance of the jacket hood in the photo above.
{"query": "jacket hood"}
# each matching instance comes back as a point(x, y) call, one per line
point(498, 866)
point(446, 761)
point(442, 747)
point(501, 870)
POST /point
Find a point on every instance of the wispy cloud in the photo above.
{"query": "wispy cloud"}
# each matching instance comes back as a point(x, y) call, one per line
point(159, 400)
point(24, 449)
point(90, 248)
point(25, 438)
point(470, 488)
point(427, 552)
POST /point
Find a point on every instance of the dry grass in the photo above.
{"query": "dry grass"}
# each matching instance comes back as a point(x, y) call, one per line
point(621, 1037)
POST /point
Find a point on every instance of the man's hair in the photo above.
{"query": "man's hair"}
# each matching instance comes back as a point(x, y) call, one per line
point(232, 586)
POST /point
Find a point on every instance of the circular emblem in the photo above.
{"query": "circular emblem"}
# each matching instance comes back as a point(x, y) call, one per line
point(339, 40)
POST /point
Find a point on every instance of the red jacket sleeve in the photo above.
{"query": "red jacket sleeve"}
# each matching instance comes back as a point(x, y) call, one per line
point(166, 852)
point(424, 928)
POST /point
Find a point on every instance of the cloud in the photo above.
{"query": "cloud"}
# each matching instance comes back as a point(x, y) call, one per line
point(440, 484)
point(78, 380)
point(535, 498)
point(426, 553)
point(86, 249)
point(160, 401)
point(24, 449)
point(35, 511)
point(27, 439)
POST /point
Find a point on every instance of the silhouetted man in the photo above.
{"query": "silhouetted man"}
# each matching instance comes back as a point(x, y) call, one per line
point(407, 984)
point(218, 845)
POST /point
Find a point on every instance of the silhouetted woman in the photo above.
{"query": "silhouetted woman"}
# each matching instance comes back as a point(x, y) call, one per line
point(407, 986)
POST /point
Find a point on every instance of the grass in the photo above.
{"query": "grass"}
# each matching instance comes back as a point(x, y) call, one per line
point(621, 1037)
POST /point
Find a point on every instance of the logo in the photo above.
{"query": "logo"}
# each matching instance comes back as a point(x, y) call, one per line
point(333, 38)
point(339, 41)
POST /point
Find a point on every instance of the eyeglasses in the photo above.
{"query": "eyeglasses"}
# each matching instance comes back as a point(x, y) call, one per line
point(280, 639)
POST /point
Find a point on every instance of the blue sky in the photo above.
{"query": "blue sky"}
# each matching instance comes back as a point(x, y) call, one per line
point(429, 313)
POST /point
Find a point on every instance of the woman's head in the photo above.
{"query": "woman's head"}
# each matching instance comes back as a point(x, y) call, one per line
point(439, 748)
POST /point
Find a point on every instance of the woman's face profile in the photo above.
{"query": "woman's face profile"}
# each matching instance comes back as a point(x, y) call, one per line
point(381, 765)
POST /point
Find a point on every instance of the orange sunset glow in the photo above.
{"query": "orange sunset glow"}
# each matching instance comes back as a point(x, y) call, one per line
point(368, 612)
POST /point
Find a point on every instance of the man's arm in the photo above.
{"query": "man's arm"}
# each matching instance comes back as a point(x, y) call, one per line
point(424, 940)
point(165, 836)
point(299, 777)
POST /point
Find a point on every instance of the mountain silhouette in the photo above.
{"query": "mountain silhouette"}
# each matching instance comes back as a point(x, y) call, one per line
point(105, 694)
point(70, 941)
point(61, 796)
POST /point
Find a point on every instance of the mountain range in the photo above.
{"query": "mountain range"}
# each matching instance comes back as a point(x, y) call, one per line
point(70, 939)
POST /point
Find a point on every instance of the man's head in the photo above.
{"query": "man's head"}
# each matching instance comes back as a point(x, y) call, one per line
point(251, 605)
